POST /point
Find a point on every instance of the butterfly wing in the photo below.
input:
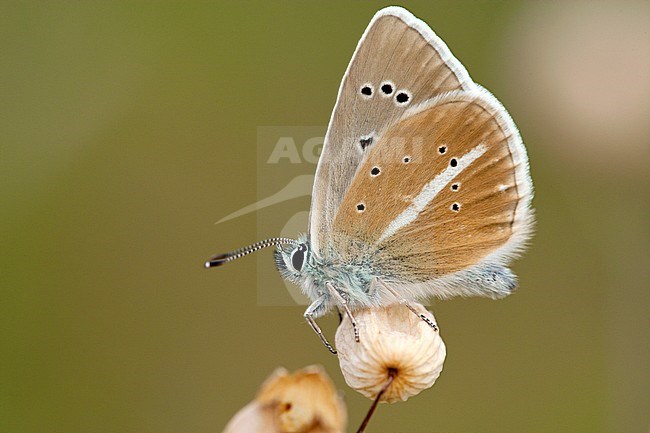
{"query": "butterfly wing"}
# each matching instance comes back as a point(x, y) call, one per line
point(399, 62)
point(441, 203)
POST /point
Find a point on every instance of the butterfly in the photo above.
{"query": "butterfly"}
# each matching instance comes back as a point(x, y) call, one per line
point(422, 189)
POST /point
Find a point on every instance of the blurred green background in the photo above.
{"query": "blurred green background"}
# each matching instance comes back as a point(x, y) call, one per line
point(128, 128)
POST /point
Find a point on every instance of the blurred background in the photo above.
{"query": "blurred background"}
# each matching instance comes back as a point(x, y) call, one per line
point(128, 128)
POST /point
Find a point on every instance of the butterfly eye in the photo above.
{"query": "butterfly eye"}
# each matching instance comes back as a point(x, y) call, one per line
point(298, 257)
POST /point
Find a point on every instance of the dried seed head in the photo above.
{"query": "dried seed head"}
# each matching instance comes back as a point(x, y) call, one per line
point(303, 402)
point(394, 341)
point(252, 418)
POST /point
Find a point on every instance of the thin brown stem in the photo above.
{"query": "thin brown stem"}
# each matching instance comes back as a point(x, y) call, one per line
point(391, 375)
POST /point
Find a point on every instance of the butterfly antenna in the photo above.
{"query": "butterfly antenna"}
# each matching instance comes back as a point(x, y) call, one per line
point(221, 259)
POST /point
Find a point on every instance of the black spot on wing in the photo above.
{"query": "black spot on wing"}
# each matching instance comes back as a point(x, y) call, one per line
point(365, 142)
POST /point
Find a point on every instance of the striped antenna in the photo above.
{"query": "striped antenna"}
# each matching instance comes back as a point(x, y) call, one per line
point(221, 259)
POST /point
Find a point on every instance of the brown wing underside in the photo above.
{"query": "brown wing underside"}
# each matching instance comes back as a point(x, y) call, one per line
point(470, 216)
point(392, 51)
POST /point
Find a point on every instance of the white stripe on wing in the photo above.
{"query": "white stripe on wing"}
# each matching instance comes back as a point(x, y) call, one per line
point(431, 190)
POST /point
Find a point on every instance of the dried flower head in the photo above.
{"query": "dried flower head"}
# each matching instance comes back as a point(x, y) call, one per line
point(301, 402)
point(393, 342)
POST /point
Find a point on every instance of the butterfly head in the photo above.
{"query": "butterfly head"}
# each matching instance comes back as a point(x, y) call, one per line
point(292, 262)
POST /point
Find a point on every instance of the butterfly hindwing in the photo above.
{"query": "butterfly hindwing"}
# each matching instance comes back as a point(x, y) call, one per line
point(399, 63)
point(445, 188)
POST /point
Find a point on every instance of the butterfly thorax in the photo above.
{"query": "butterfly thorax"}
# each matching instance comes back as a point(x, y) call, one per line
point(352, 278)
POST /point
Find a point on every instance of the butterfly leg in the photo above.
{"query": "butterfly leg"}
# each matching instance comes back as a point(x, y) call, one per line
point(344, 303)
point(408, 304)
point(309, 316)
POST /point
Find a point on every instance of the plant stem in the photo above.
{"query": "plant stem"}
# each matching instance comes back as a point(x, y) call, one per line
point(391, 375)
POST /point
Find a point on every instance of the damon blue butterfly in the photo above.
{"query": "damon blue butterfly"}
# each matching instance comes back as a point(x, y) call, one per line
point(422, 189)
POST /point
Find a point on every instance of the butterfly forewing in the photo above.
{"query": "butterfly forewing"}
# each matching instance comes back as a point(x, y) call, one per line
point(444, 188)
point(398, 64)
